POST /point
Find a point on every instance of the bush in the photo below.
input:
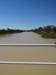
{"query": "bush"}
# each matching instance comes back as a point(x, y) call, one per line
point(49, 35)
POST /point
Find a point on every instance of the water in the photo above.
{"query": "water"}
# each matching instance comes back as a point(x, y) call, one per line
point(6, 69)
point(14, 53)
point(25, 38)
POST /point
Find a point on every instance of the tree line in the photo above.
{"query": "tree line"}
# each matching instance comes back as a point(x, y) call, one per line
point(10, 31)
point(46, 31)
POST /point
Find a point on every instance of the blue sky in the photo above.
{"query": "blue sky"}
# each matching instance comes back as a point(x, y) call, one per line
point(27, 14)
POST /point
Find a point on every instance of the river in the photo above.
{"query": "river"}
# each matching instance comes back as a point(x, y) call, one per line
point(22, 53)
point(25, 38)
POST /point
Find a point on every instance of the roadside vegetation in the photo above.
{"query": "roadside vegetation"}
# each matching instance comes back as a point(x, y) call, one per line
point(47, 31)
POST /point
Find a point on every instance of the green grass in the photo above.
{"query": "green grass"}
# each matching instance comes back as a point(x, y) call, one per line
point(49, 35)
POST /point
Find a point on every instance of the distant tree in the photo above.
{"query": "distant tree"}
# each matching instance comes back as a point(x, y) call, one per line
point(40, 29)
point(49, 28)
point(54, 29)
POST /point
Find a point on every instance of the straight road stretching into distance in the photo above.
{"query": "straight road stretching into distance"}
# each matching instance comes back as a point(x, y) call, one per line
point(25, 38)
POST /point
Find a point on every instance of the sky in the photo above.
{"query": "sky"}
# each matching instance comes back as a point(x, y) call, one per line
point(27, 14)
